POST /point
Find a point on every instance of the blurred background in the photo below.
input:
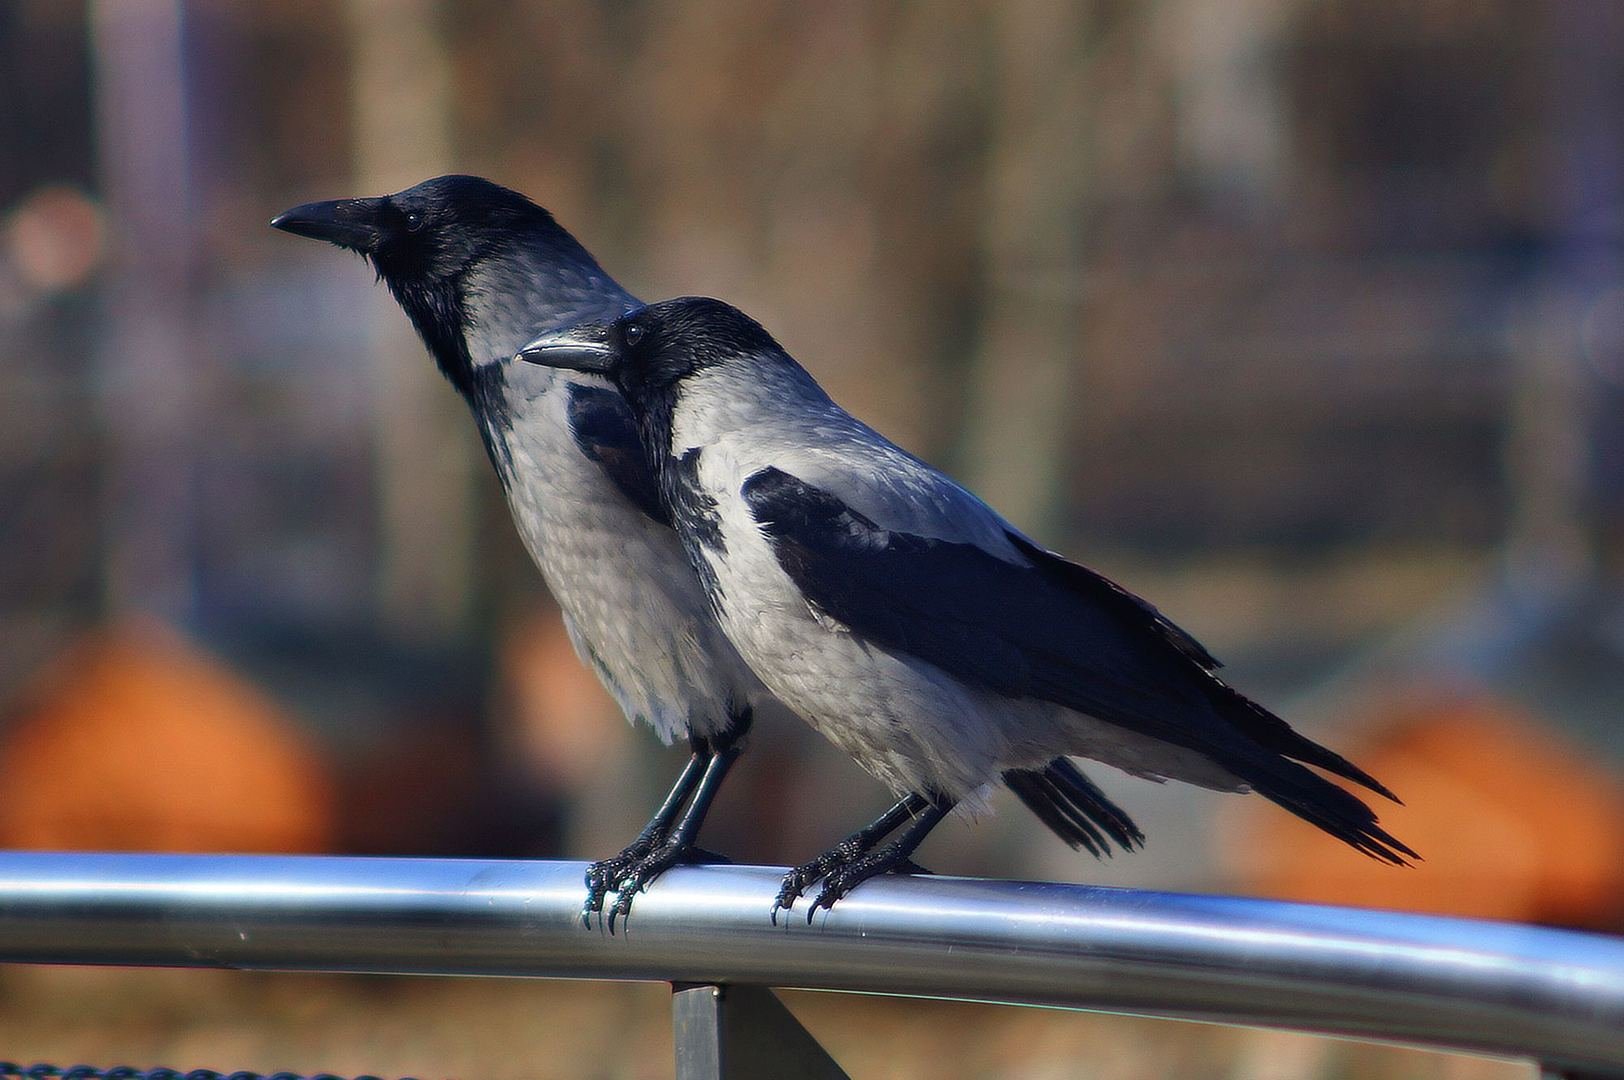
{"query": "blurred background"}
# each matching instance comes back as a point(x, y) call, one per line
point(1304, 319)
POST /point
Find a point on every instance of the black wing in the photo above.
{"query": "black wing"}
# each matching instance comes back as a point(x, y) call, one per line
point(1049, 630)
point(1255, 721)
point(602, 426)
point(1020, 630)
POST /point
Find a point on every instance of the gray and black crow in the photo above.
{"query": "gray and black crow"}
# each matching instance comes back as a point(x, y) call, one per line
point(480, 270)
point(910, 623)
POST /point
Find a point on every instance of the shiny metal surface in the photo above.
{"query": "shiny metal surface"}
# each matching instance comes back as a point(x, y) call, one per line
point(1495, 988)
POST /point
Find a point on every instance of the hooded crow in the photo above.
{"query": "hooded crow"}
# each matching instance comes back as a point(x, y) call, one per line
point(911, 624)
point(480, 270)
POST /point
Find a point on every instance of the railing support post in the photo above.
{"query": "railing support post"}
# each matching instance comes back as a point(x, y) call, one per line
point(743, 1033)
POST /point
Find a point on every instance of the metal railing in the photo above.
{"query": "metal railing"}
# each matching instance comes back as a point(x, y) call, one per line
point(1494, 988)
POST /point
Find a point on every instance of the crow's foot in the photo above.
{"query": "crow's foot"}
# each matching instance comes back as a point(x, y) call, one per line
point(842, 879)
point(640, 874)
point(831, 864)
point(796, 881)
point(605, 876)
point(921, 815)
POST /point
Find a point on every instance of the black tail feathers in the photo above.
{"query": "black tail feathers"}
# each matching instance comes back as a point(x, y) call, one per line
point(1074, 808)
point(1262, 751)
point(1268, 757)
point(1080, 813)
point(1268, 730)
point(1339, 812)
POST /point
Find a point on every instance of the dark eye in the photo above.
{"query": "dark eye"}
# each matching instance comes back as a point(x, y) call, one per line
point(414, 221)
point(633, 332)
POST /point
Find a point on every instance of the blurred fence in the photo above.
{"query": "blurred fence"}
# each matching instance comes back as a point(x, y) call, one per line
point(1491, 988)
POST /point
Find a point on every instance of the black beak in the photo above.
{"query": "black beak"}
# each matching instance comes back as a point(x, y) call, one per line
point(349, 223)
point(578, 348)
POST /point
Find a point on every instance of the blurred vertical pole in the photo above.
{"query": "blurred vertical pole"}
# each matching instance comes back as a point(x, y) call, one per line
point(401, 114)
point(1020, 398)
point(148, 379)
point(1587, 126)
point(1559, 422)
point(1548, 550)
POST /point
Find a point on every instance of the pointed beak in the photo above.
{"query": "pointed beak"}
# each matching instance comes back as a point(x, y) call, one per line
point(349, 223)
point(578, 348)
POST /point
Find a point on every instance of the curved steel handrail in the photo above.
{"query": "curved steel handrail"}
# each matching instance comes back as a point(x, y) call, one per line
point(1495, 988)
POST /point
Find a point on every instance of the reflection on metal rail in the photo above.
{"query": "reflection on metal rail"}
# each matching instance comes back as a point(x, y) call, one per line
point(1551, 995)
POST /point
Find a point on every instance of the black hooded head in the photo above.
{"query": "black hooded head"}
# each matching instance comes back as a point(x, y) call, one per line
point(662, 344)
point(650, 352)
point(459, 252)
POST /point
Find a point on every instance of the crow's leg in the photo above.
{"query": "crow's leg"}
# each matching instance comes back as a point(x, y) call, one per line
point(678, 845)
point(855, 845)
point(842, 879)
point(603, 876)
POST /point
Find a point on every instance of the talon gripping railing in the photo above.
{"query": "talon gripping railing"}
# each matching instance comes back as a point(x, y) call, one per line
point(1553, 996)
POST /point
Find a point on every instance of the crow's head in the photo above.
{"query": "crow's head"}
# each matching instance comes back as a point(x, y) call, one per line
point(661, 354)
point(478, 268)
point(652, 350)
point(693, 354)
point(436, 231)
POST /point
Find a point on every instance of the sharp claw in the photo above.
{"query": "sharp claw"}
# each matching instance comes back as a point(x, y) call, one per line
point(623, 907)
point(601, 879)
point(611, 876)
point(817, 902)
point(794, 884)
point(835, 888)
point(637, 877)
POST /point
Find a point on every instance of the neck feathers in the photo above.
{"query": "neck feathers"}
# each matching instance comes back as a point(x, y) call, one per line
point(487, 310)
point(438, 315)
point(654, 412)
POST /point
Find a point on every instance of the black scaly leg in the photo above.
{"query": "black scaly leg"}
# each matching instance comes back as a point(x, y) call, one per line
point(896, 855)
point(603, 876)
point(678, 845)
point(854, 846)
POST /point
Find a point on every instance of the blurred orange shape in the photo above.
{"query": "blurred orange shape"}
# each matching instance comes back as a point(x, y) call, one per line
point(56, 238)
point(1513, 820)
point(569, 728)
point(135, 740)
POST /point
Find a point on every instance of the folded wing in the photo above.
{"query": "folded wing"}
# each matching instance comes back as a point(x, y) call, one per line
point(1027, 623)
point(602, 426)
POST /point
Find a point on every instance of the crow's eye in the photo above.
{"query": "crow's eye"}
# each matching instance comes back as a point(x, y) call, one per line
point(633, 333)
point(414, 221)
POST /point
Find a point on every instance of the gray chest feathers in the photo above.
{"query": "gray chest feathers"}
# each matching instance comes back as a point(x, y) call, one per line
point(633, 605)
